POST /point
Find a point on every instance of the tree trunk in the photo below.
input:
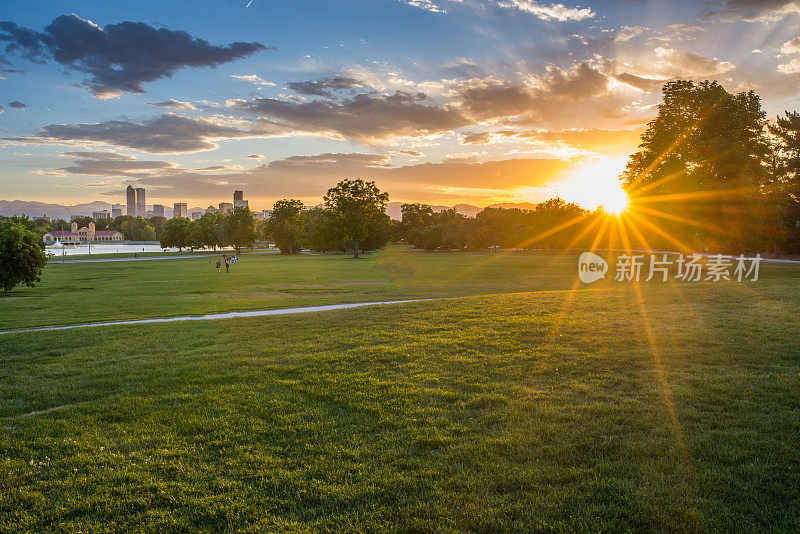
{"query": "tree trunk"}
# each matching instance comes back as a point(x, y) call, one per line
point(355, 251)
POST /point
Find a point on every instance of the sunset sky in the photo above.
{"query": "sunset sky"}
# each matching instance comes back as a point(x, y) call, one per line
point(438, 101)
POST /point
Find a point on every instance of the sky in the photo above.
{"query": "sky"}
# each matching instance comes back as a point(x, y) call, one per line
point(438, 101)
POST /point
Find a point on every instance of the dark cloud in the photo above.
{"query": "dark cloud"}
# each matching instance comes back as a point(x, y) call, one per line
point(753, 10)
point(120, 57)
point(647, 85)
point(161, 135)
point(255, 156)
point(98, 155)
point(118, 168)
point(324, 86)
point(173, 104)
point(412, 153)
point(16, 104)
point(365, 118)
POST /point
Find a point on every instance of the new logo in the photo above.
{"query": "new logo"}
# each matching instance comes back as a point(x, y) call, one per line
point(591, 267)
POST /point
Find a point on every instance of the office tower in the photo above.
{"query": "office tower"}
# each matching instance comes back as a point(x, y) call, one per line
point(116, 212)
point(238, 199)
point(179, 210)
point(97, 215)
point(158, 210)
point(141, 208)
point(130, 193)
point(225, 207)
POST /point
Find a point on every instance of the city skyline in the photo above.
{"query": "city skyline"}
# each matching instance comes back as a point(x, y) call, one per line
point(485, 102)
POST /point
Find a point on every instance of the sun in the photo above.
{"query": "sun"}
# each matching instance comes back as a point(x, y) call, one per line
point(616, 202)
point(596, 185)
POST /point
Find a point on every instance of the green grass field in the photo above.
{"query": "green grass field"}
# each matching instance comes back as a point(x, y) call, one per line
point(518, 405)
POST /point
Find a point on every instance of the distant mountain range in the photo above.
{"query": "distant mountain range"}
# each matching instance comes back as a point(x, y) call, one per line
point(60, 211)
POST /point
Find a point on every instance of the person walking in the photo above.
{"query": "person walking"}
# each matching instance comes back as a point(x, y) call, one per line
point(219, 264)
point(227, 265)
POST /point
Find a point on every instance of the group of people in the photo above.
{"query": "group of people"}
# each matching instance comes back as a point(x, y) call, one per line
point(227, 261)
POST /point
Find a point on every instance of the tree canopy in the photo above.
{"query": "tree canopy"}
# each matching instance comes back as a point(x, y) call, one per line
point(358, 213)
point(22, 255)
point(700, 168)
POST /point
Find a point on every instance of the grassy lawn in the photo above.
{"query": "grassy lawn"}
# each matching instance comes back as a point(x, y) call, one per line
point(519, 405)
point(94, 292)
point(91, 292)
point(534, 411)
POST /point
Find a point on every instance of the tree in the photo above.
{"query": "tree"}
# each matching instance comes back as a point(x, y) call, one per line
point(207, 231)
point(240, 228)
point(286, 227)
point(176, 233)
point(357, 212)
point(701, 164)
point(22, 255)
point(784, 192)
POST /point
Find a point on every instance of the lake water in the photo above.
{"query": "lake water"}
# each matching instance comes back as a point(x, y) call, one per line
point(109, 248)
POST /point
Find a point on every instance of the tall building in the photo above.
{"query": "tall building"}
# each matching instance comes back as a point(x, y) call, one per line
point(141, 208)
point(158, 210)
point(225, 207)
point(238, 199)
point(179, 210)
point(116, 211)
point(97, 215)
point(130, 193)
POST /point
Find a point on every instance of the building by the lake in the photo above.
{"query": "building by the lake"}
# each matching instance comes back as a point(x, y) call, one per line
point(83, 235)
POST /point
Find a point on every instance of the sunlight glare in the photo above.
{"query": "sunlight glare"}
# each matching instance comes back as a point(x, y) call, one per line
point(595, 186)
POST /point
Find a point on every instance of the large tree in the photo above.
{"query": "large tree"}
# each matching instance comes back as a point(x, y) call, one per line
point(286, 227)
point(700, 170)
point(358, 213)
point(22, 255)
point(176, 233)
point(240, 228)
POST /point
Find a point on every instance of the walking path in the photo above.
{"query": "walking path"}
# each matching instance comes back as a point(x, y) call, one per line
point(56, 260)
point(215, 316)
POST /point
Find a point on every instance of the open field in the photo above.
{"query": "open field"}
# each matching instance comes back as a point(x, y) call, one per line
point(95, 292)
point(519, 406)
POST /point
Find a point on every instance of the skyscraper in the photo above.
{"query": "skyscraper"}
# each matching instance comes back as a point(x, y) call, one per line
point(237, 195)
point(141, 207)
point(158, 210)
point(225, 207)
point(179, 210)
point(130, 193)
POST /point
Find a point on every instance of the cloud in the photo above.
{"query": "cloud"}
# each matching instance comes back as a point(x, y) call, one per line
point(427, 5)
point(756, 10)
point(161, 135)
point(647, 85)
point(543, 97)
point(16, 104)
point(118, 168)
point(324, 86)
point(558, 12)
point(684, 63)
point(626, 33)
point(793, 67)
point(173, 104)
point(791, 47)
point(252, 78)
point(2, 109)
point(255, 156)
point(411, 153)
point(118, 58)
point(366, 118)
point(98, 155)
